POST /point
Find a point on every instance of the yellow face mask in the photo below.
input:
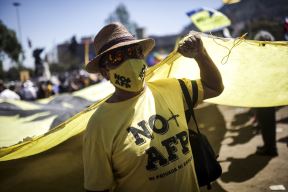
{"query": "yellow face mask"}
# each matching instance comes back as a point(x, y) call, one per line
point(129, 76)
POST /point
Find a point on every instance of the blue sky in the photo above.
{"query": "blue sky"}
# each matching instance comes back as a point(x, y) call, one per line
point(50, 22)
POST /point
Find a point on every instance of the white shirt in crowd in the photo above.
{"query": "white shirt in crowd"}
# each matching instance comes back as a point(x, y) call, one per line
point(8, 94)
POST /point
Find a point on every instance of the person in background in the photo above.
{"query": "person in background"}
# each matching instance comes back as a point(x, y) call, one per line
point(266, 116)
point(286, 28)
point(10, 92)
point(28, 92)
point(2, 86)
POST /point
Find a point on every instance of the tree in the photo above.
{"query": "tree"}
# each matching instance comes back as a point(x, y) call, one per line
point(122, 15)
point(8, 43)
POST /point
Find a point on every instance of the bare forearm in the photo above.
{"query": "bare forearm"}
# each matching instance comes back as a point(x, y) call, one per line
point(210, 75)
point(192, 47)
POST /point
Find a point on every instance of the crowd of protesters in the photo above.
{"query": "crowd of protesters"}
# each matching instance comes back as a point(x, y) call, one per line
point(39, 88)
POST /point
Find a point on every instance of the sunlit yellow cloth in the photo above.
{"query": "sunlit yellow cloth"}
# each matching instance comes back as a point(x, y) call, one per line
point(61, 133)
point(255, 75)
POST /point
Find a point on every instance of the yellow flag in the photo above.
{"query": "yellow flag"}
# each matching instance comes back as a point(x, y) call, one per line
point(230, 1)
point(207, 20)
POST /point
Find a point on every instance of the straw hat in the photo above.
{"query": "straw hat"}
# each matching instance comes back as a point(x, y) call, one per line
point(113, 36)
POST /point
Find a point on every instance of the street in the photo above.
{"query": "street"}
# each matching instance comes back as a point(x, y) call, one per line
point(230, 130)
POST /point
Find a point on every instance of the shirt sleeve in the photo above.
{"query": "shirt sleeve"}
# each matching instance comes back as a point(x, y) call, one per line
point(195, 89)
point(98, 173)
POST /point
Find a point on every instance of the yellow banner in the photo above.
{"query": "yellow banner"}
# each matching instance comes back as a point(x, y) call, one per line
point(254, 75)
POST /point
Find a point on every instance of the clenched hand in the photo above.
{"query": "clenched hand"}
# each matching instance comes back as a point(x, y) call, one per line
point(191, 46)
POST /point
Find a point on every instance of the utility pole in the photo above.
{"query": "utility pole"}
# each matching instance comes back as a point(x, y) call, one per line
point(16, 5)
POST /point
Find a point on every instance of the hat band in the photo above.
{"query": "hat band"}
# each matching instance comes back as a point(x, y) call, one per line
point(116, 41)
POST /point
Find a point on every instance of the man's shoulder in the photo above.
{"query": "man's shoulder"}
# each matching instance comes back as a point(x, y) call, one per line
point(103, 112)
point(99, 112)
point(97, 116)
point(165, 88)
point(163, 82)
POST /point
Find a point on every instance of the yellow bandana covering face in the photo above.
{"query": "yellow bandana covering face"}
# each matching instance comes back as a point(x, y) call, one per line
point(129, 76)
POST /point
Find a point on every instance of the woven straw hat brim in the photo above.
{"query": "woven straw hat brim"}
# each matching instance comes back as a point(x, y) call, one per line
point(146, 44)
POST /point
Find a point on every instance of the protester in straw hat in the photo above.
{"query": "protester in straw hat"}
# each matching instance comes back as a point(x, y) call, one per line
point(138, 139)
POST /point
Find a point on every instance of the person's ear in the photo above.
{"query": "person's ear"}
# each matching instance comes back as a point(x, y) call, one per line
point(104, 73)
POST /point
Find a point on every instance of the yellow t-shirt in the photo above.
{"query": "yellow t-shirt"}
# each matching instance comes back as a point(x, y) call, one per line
point(141, 144)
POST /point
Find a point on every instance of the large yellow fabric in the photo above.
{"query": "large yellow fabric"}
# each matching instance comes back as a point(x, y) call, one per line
point(23, 128)
point(95, 92)
point(255, 74)
point(64, 131)
point(141, 142)
point(27, 120)
point(23, 105)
